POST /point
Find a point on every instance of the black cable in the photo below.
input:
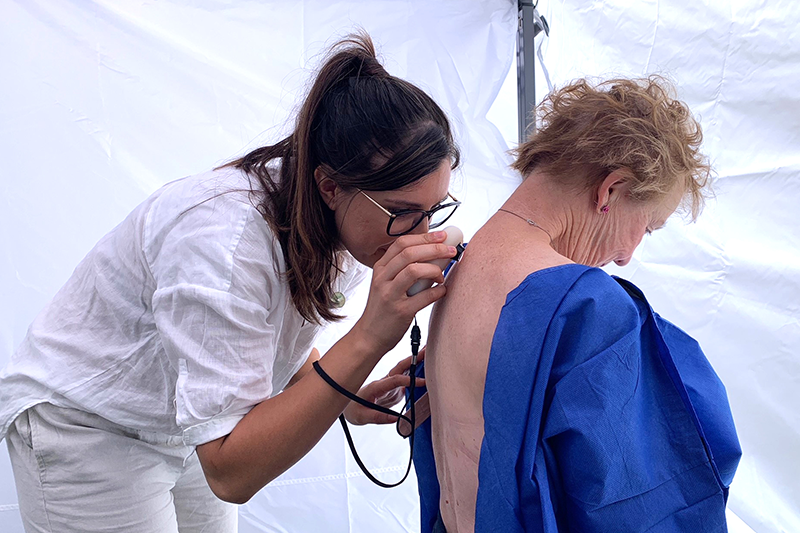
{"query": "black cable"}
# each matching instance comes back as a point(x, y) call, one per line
point(416, 338)
point(344, 392)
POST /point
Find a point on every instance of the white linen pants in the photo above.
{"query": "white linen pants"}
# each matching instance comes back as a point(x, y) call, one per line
point(77, 472)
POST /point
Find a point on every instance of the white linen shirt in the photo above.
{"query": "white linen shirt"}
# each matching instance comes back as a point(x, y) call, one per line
point(177, 323)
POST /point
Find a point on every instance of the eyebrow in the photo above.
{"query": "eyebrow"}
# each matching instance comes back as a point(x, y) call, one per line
point(402, 204)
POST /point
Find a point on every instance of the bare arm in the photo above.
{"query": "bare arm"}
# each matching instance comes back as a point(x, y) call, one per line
point(306, 368)
point(276, 433)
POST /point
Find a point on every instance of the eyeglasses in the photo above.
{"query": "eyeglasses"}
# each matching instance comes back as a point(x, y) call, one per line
point(403, 222)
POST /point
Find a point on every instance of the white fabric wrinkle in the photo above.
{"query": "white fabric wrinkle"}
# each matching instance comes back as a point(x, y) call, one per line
point(177, 322)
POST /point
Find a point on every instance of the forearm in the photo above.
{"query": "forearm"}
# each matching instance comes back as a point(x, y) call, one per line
point(279, 431)
point(305, 369)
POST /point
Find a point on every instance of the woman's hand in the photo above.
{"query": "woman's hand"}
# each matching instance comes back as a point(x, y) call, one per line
point(389, 309)
point(386, 392)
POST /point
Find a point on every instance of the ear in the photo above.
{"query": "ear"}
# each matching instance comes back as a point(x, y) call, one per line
point(328, 189)
point(612, 189)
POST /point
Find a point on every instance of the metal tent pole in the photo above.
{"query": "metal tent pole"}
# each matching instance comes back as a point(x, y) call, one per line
point(527, 30)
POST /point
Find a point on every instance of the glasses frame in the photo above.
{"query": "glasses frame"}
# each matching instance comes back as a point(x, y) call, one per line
point(429, 214)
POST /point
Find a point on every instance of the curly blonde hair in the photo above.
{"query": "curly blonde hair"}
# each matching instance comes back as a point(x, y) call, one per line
point(586, 131)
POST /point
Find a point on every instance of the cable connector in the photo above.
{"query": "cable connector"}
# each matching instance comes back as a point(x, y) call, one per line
point(416, 339)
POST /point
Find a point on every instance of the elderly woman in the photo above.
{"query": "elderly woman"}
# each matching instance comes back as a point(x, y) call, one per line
point(559, 400)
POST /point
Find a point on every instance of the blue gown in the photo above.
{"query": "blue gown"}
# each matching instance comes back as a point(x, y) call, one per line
point(599, 416)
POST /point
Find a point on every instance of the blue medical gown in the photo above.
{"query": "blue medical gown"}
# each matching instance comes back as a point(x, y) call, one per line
point(599, 416)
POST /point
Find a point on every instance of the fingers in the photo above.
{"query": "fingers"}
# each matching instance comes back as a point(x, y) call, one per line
point(394, 395)
point(425, 298)
point(389, 309)
point(422, 408)
point(382, 390)
point(382, 418)
point(401, 243)
point(390, 398)
point(405, 364)
point(385, 392)
point(387, 384)
point(417, 254)
point(401, 367)
point(392, 382)
point(416, 271)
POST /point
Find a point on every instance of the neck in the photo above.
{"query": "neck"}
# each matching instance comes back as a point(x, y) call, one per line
point(565, 217)
point(527, 220)
point(537, 200)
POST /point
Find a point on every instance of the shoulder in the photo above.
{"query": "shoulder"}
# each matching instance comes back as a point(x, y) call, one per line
point(597, 305)
point(220, 202)
point(207, 196)
point(600, 291)
point(207, 226)
point(571, 286)
point(575, 310)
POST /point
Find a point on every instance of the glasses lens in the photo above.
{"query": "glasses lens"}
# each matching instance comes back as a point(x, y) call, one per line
point(441, 216)
point(404, 223)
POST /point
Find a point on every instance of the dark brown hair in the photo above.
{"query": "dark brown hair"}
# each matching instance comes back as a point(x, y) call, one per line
point(586, 131)
point(364, 129)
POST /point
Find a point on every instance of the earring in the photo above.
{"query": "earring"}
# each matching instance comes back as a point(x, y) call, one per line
point(604, 209)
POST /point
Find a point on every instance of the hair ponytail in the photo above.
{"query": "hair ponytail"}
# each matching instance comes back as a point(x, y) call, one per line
point(365, 129)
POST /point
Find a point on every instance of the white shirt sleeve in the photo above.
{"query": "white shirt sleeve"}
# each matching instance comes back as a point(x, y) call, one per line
point(354, 274)
point(214, 268)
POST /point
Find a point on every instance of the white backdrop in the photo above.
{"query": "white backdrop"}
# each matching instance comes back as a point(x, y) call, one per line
point(732, 279)
point(102, 102)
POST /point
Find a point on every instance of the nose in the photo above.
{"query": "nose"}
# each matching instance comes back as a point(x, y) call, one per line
point(622, 262)
point(422, 227)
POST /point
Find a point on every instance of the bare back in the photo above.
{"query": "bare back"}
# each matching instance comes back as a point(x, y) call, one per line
point(497, 260)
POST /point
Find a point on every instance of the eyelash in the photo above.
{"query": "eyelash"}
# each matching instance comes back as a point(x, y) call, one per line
point(648, 231)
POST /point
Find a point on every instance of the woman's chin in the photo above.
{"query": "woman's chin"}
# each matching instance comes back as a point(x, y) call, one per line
point(370, 260)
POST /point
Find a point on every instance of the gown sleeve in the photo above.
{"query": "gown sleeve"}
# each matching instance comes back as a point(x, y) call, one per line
point(598, 435)
point(619, 439)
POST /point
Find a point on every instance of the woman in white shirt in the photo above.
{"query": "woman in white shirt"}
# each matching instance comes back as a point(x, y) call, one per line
point(179, 329)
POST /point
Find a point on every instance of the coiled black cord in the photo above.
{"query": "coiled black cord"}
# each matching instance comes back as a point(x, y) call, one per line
point(416, 339)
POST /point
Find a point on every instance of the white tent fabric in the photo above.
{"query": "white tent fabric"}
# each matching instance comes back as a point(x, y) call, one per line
point(104, 101)
point(732, 278)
